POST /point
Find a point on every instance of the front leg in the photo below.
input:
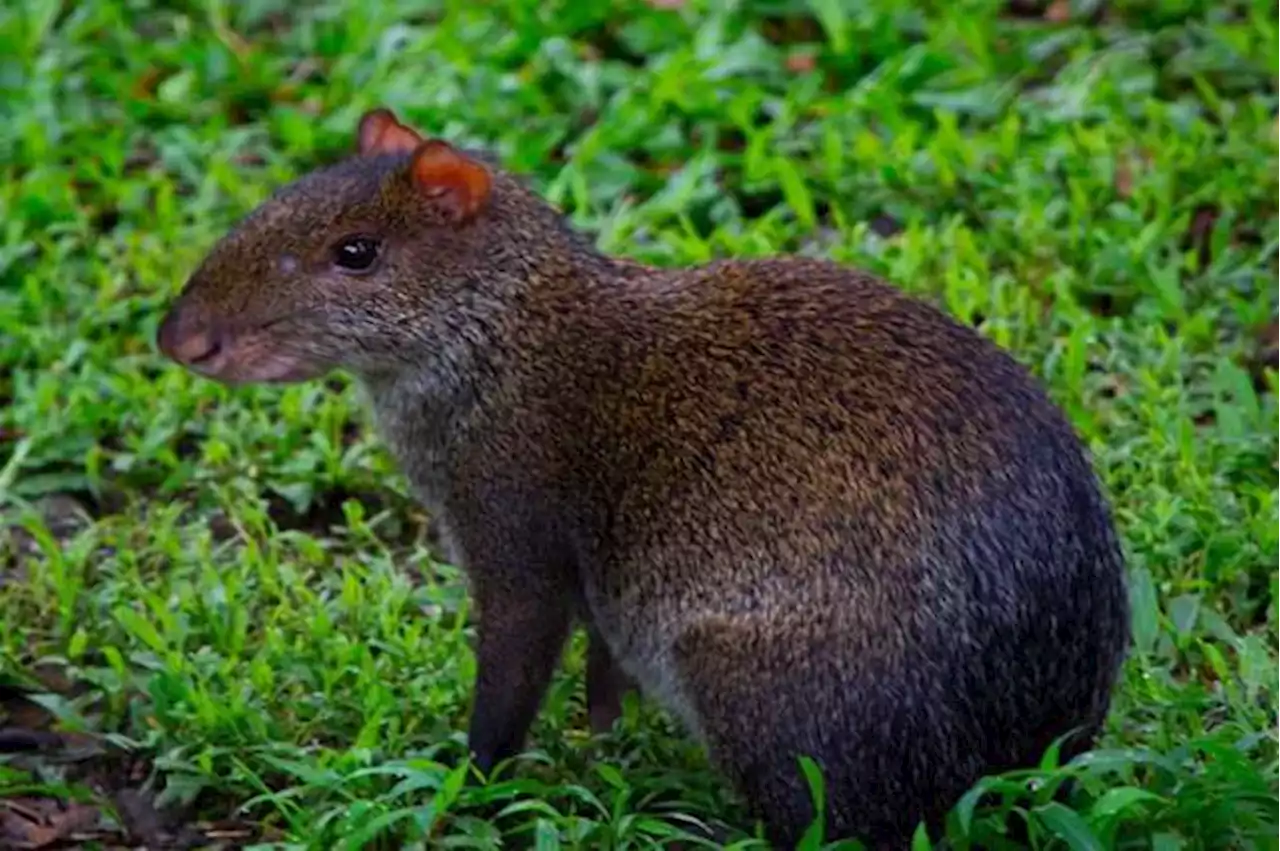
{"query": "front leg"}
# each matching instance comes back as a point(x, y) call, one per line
point(521, 635)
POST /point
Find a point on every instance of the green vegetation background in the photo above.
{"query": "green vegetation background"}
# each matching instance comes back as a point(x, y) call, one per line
point(233, 582)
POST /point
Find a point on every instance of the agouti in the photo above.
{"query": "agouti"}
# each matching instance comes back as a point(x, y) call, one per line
point(807, 514)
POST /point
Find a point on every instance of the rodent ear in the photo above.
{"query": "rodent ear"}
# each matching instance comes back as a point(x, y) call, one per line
point(381, 132)
point(442, 171)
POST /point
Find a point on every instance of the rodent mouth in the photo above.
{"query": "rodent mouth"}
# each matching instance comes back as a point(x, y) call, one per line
point(211, 356)
point(237, 352)
point(276, 320)
point(258, 365)
point(250, 356)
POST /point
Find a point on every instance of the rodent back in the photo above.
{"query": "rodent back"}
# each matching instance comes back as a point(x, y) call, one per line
point(773, 398)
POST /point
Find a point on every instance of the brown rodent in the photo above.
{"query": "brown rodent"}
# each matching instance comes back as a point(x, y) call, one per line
point(807, 514)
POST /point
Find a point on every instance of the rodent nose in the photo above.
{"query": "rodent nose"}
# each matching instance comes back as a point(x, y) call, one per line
point(187, 342)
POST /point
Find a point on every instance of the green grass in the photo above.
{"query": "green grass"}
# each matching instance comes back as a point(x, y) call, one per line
point(250, 601)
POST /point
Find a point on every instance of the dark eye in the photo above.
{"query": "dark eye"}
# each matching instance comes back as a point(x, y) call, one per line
point(356, 253)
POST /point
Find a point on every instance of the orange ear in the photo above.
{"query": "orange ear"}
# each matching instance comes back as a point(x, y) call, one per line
point(441, 170)
point(381, 132)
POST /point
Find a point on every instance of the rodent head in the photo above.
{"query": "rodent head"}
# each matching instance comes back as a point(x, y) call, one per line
point(354, 266)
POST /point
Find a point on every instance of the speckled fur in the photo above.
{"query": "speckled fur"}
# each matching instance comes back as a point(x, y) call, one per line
point(804, 512)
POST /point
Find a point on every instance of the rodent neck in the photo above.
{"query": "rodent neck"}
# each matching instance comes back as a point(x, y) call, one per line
point(472, 360)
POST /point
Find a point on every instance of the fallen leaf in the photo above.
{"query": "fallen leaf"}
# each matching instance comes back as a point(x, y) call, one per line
point(1199, 232)
point(801, 63)
point(141, 820)
point(1124, 178)
point(35, 823)
point(19, 739)
point(1024, 8)
point(1059, 11)
point(1266, 355)
point(144, 88)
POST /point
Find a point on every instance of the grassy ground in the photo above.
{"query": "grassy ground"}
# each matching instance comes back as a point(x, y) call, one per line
point(226, 597)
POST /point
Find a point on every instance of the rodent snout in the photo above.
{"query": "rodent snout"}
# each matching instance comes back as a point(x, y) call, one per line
point(188, 340)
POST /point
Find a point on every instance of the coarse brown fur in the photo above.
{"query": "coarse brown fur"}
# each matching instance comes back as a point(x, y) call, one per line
point(807, 514)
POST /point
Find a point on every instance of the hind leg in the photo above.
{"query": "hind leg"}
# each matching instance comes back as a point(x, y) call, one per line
point(606, 683)
point(764, 696)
